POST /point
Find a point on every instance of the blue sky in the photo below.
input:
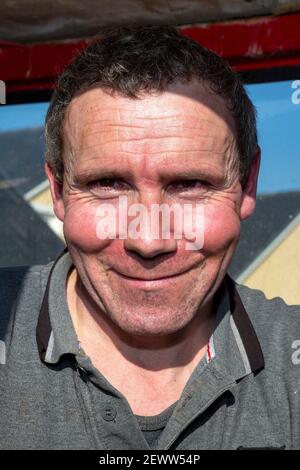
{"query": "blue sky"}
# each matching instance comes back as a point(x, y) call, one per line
point(278, 129)
point(279, 136)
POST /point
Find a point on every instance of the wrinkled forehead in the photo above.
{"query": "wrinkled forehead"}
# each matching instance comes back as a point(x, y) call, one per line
point(185, 117)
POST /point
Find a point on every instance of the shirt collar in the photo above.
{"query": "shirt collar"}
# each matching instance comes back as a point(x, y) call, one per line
point(238, 355)
point(55, 332)
point(237, 350)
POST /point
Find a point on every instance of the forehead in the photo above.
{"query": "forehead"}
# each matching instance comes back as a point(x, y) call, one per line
point(185, 122)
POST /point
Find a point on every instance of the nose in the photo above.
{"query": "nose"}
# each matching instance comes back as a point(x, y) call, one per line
point(150, 240)
point(149, 247)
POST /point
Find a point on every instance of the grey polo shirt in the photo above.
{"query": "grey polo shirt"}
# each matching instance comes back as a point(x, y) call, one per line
point(244, 393)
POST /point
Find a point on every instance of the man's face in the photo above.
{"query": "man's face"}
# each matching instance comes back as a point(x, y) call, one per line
point(176, 147)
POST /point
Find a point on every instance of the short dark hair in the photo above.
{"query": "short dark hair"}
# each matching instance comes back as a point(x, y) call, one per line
point(131, 60)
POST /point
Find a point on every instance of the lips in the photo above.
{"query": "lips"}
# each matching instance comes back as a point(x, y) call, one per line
point(148, 284)
point(149, 279)
point(151, 276)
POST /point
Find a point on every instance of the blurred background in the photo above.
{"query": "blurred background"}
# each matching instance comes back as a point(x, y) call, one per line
point(260, 39)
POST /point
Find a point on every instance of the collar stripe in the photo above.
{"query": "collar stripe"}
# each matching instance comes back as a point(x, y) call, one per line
point(244, 328)
point(44, 329)
point(240, 345)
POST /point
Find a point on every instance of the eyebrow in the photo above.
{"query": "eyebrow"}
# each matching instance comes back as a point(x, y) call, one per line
point(85, 176)
point(195, 173)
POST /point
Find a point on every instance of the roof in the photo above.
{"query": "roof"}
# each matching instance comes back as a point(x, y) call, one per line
point(272, 215)
point(22, 164)
point(25, 238)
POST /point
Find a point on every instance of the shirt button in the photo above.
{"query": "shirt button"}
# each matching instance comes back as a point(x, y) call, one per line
point(109, 413)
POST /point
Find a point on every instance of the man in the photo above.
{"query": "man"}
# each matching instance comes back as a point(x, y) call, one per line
point(135, 341)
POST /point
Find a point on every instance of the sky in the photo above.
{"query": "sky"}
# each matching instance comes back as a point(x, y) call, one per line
point(279, 135)
point(278, 113)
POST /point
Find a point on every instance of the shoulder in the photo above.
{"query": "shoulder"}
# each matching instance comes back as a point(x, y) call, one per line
point(264, 312)
point(20, 286)
point(13, 279)
point(277, 326)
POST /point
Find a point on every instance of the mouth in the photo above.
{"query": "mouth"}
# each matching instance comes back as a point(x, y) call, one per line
point(149, 283)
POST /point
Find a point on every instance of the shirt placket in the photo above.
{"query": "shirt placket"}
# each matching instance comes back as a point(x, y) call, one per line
point(110, 420)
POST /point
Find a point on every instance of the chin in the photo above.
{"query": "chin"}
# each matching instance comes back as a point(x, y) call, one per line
point(148, 323)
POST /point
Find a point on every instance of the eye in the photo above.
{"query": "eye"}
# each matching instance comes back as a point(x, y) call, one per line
point(187, 185)
point(108, 184)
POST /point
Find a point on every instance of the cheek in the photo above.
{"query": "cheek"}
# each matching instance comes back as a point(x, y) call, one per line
point(80, 228)
point(221, 228)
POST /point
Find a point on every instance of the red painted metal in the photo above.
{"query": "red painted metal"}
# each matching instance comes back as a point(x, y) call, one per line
point(35, 66)
point(258, 43)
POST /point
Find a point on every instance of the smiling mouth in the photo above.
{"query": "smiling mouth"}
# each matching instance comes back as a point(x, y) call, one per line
point(153, 282)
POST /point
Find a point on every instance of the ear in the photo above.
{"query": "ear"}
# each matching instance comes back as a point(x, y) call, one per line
point(249, 192)
point(56, 189)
